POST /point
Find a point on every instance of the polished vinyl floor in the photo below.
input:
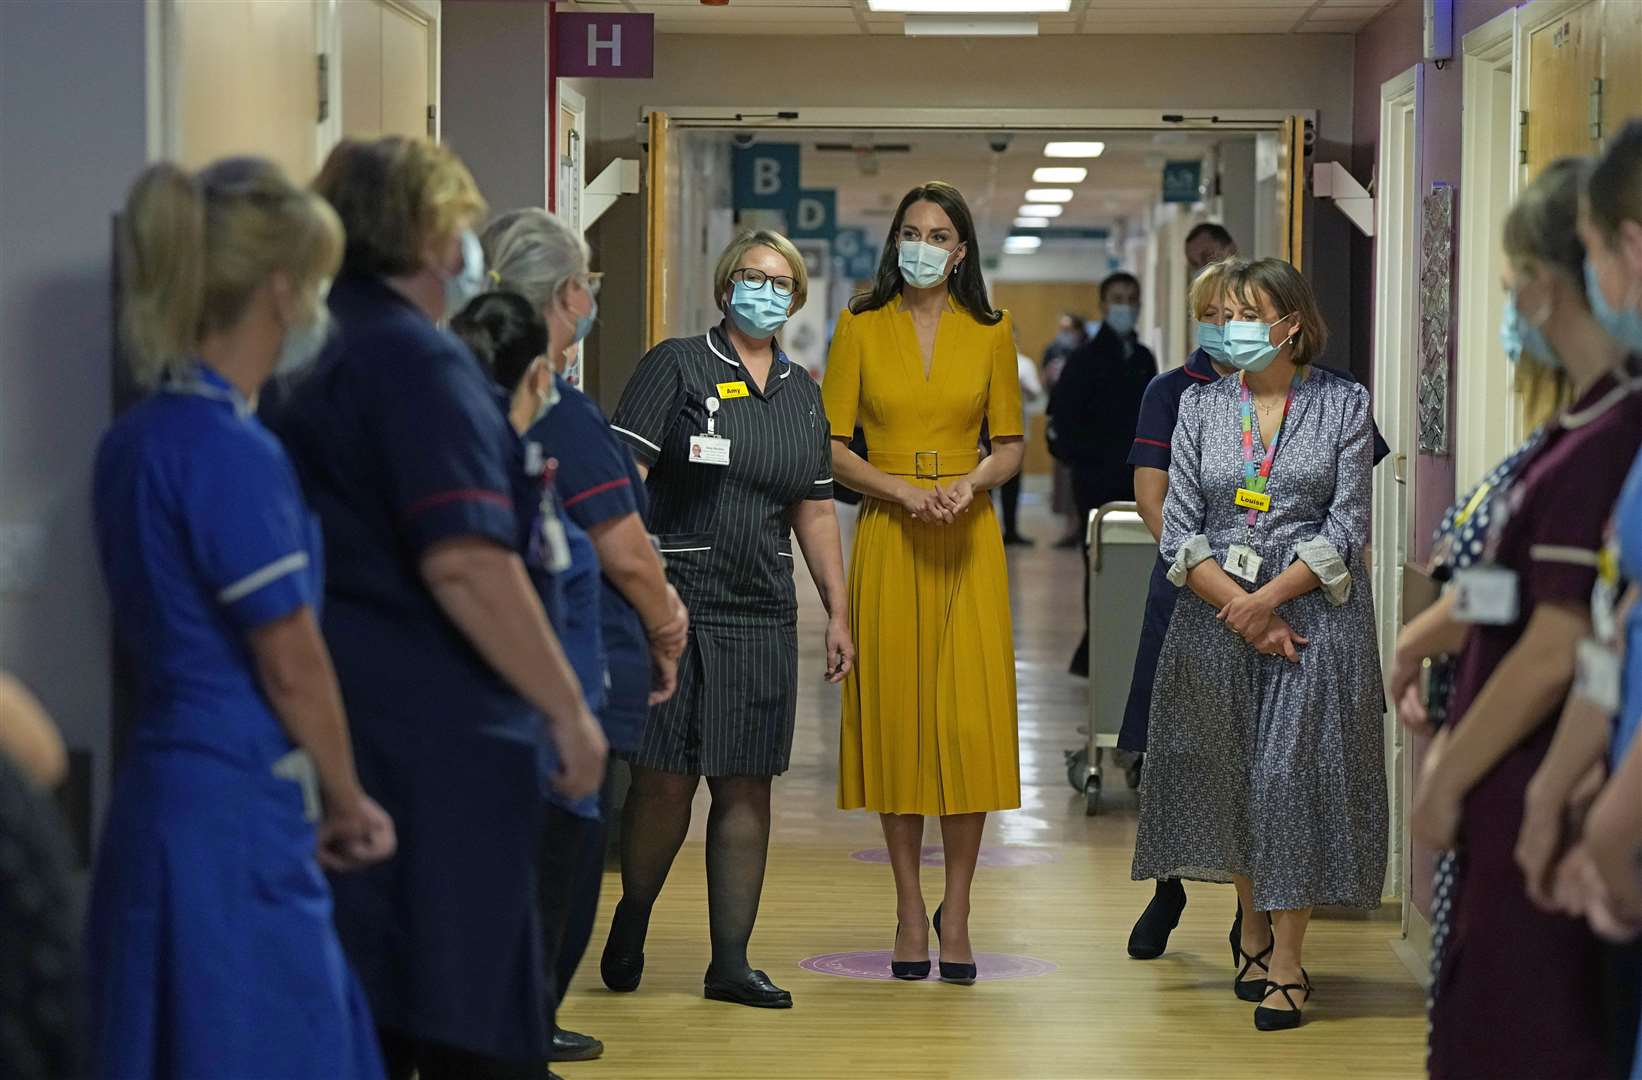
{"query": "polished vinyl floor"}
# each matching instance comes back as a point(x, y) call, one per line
point(1071, 904)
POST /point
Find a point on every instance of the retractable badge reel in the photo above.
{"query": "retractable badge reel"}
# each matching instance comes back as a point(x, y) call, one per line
point(710, 448)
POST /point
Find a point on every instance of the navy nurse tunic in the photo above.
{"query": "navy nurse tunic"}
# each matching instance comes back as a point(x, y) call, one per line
point(210, 948)
point(400, 446)
point(726, 534)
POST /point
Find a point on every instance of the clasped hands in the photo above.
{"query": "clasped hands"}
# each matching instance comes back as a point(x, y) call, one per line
point(1257, 622)
point(939, 505)
point(667, 642)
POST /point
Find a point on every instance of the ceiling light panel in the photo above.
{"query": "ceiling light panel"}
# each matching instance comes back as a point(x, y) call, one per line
point(1049, 195)
point(970, 7)
point(1041, 210)
point(1074, 149)
point(1031, 223)
point(1066, 174)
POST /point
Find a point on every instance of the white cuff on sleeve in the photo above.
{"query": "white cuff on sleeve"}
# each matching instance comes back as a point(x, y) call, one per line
point(1325, 561)
point(1195, 550)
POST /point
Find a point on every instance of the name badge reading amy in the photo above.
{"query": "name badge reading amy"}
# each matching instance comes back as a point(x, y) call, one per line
point(1253, 500)
point(1486, 595)
point(709, 450)
point(733, 390)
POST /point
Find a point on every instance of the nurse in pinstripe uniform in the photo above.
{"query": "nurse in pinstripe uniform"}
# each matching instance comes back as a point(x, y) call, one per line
point(734, 443)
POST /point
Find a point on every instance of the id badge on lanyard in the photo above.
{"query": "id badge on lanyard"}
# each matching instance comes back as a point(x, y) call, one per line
point(1242, 561)
point(550, 545)
point(710, 448)
point(1605, 594)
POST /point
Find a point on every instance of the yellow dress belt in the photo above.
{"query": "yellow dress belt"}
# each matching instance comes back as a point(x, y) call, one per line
point(925, 464)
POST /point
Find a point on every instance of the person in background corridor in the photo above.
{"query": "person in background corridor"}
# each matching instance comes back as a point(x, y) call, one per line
point(929, 716)
point(1207, 243)
point(1517, 989)
point(1092, 413)
point(1009, 495)
point(1068, 338)
point(210, 948)
point(452, 675)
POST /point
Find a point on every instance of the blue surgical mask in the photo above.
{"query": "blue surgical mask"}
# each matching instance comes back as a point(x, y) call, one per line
point(1624, 326)
point(757, 311)
point(1517, 335)
point(1211, 338)
point(584, 324)
point(923, 266)
point(1121, 318)
point(469, 281)
point(1248, 346)
point(303, 344)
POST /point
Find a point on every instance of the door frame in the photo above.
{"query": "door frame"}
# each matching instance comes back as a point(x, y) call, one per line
point(773, 118)
point(1531, 18)
point(1487, 419)
point(1396, 336)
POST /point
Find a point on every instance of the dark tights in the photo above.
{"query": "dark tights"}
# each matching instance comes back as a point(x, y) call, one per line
point(654, 824)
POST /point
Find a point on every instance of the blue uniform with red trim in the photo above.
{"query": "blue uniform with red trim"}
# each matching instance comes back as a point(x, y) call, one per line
point(210, 948)
point(1154, 434)
point(400, 447)
point(598, 482)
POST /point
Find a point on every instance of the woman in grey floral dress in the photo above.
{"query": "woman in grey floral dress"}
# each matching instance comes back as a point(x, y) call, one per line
point(1266, 762)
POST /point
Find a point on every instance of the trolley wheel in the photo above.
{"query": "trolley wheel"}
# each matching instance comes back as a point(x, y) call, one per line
point(1077, 768)
point(1131, 775)
point(1091, 795)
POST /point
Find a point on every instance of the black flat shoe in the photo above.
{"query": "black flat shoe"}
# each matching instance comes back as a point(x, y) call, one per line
point(1283, 1019)
point(961, 974)
point(1150, 937)
point(908, 970)
point(621, 972)
point(753, 989)
point(574, 1046)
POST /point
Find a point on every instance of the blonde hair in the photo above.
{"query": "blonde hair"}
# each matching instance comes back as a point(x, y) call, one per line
point(730, 261)
point(534, 254)
point(1210, 282)
point(1542, 228)
point(396, 195)
point(194, 248)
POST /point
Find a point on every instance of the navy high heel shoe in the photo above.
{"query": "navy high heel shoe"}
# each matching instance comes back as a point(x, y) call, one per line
point(909, 970)
point(961, 974)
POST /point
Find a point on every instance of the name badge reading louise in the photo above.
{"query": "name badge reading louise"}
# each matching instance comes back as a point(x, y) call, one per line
point(733, 390)
point(709, 450)
point(1486, 595)
point(1253, 500)
point(1242, 562)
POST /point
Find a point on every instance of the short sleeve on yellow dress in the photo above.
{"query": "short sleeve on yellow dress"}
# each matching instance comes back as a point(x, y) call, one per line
point(927, 601)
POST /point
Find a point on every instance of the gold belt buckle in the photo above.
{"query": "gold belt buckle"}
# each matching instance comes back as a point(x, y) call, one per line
point(934, 468)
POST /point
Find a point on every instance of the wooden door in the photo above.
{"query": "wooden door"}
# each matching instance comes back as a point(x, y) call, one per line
point(247, 82)
point(1036, 308)
point(1291, 191)
point(387, 54)
point(1564, 64)
point(1621, 65)
point(661, 192)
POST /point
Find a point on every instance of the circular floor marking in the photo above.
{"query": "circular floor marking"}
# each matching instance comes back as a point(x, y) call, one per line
point(875, 966)
point(992, 858)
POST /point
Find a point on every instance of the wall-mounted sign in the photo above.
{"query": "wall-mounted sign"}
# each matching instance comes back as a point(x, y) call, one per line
point(1072, 233)
point(1182, 181)
point(816, 215)
point(604, 46)
point(857, 253)
point(766, 178)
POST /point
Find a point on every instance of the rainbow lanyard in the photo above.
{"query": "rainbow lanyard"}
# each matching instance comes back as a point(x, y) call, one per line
point(1254, 478)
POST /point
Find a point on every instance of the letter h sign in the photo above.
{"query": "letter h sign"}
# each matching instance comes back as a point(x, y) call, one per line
point(604, 46)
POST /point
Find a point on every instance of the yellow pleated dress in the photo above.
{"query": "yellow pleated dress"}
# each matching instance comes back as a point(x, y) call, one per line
point(929, 718)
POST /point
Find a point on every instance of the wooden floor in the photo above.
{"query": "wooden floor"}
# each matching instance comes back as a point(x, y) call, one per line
point(1100, 1015)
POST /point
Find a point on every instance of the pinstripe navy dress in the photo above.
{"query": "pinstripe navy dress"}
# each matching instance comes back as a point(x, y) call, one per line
point(726, 533)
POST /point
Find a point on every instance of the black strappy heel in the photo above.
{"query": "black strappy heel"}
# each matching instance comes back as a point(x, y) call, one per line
point(1252, 990)
point(908, 970)
point(1283, 1019)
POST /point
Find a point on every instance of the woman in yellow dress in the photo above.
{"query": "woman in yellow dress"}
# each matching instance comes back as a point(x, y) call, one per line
point(929, 711)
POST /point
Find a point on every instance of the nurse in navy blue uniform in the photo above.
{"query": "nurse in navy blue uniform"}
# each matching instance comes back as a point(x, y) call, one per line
point(535, 255)
point(210, 947)
point(445, 656)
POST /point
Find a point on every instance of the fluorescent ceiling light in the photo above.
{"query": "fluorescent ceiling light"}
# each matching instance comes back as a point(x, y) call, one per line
point(1049, 195)
point(1022, 245)
point(966, 26)
point(971, 7)
point(1074, 149)
point(1041, 211)
point(1068, 174)
point(1031, 223)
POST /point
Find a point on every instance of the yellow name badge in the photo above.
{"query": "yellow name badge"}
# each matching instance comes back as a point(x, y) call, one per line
point(728, 390)
point(1253, 500)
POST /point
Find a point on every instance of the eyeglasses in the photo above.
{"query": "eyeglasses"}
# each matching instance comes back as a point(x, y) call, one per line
point(592, 282)
point(755, 279)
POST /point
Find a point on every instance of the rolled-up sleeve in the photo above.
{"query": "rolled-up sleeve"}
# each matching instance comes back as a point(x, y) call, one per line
point(1184, 544)
point(1345, 528)
point(651, 402)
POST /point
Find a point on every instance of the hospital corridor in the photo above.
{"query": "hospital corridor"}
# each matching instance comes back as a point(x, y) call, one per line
point(820, 539)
